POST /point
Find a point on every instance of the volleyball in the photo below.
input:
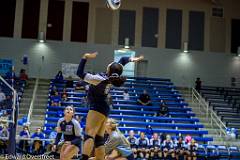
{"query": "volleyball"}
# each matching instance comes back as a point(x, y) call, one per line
point(113, 4)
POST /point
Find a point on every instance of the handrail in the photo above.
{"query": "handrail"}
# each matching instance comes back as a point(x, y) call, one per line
point(209, 112)
point(14, 98)
point(32, 102)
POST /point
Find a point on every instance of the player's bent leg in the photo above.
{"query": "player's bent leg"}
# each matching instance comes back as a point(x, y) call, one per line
point(68, 151)
point(99, 142)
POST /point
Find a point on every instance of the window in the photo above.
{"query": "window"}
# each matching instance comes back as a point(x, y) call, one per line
point(30, 19)
point(55, 20)
point(7, 17)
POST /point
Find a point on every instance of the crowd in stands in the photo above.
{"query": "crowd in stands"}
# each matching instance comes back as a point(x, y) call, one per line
point(162, 146)
point(146, 145)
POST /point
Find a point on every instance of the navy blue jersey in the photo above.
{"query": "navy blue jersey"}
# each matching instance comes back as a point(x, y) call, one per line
point(192, 147)
point(168, 144)
point(99, 88)
point(180, 145)
point(132, 141)
point(71, 130)
point(143, 143)
point(155, 142)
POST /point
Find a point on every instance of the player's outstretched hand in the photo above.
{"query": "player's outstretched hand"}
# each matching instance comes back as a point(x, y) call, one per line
point(90, 55)
point(137, 59)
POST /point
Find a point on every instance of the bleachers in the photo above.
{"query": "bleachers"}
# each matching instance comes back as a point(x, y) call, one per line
point(225, 102)
point(131, 116)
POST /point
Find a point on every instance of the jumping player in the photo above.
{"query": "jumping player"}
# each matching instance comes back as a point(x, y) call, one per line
point(70, 128)
point(97, 98)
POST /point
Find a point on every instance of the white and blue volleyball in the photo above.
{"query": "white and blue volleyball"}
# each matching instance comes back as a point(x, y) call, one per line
point(114, 4)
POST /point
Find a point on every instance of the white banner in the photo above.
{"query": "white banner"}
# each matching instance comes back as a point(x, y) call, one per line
point(69, 70)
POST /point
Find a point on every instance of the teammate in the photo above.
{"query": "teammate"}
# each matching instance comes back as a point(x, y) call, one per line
point(97, 98)
point(117, 146)
point(71, 130)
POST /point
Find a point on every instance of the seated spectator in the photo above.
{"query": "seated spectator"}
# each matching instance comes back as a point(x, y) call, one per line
point(163, 109)
point(53, 91)
point(180, 148)
point(188, 139)
point(56, 100)
point(4, 142)
point(52, 136)
point(192, 148)
point(126, 95)
point(198, 84)
point(143, 145)
point(38, 144)
point(23, 75)
point(162, 137)
point(69, 83)
point(58, 77)
point(167, 147)
point(155, 146)
point(2, 97)
point(53, 133)
point(144, 99)
point(133, 142)
point(64, 95)
point(24, 144)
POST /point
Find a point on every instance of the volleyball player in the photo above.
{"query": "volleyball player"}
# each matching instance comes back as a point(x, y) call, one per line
point(71, 130)
point(97, 98)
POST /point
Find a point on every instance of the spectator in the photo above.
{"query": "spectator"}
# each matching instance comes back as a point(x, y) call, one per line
point(24, 144)
point(180, 147)
point(64, 95)
point(198, 84)
point(38, 144)
point(168, 147)
point(53, 91)
point(143, 144)
point(144, 99)
point(2, 96)
point(53, 133)
point(163, 109)
point(126, 95)
point(192, 148)
point(155, 146)
point(69, 83)
point(133, 142)
point(23, 75)
point(56, 100)
point(52, 136)
point(188, 139)
point(4, 142)
point(58, 77)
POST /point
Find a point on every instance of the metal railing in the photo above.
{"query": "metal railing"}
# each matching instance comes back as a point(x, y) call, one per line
point(211, 116)
point(32, 102)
